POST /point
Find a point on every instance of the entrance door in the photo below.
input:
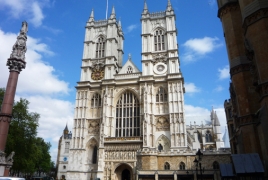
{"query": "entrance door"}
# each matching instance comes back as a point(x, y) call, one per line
point(125, 174)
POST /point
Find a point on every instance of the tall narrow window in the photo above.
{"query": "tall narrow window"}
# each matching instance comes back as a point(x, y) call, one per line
point(161, 95)
point(96, 100)
point(159, 40)
point(167, 166)
point(67, 146)
point(127, 116)
point(94, 155)
point(208, 136)
point(100, 47)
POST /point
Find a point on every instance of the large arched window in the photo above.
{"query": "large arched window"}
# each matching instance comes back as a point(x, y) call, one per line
point(182, 166)
point(161, 95)
point(100, 47)
point(127, 116)
point(167, 166)
point(208, 136)
point(96, 100)
point(159, 40)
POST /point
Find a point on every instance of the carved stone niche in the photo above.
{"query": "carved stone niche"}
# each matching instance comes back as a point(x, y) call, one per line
point(162, 124)
point(93, 127)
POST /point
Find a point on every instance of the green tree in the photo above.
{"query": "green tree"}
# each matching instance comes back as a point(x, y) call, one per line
point(31, 152)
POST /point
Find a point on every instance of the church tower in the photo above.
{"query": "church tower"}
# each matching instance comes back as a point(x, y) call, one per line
point(122, 112)
point(160, 62)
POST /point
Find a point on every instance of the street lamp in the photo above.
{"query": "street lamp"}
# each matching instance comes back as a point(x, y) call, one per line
point(197, 162)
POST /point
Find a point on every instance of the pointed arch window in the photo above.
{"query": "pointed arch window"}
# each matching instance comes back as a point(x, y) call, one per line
point(127, 116)
point(182, 166)
point(167, 166)
point(208, 136)
point(129, 70)
point(94, 155)
point(96, 101)
point(161, 95)
point(159, 40)
point(100, 47)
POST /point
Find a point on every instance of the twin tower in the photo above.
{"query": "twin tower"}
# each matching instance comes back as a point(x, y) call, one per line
point(122, 112)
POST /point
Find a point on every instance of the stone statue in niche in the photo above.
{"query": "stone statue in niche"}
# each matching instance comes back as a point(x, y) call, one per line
point(162, 124)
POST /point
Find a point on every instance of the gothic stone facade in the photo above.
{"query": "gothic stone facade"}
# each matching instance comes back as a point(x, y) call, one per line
point(128, 122)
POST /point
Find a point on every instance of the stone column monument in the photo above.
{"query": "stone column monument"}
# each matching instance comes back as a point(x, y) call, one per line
point(15, 63)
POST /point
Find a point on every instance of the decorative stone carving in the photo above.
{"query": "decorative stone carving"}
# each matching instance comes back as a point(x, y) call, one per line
point(19, 48)
point(93, 127)
point(162, 124)
point(159, 58)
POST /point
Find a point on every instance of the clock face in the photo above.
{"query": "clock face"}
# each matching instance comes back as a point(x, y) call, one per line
point(160, 68)
point(65, 159)
point(97, 74)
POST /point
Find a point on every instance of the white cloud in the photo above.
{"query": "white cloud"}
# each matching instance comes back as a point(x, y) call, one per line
point(38, 76)
point(131, 28)
point(218, 88)
point(191, 88)
point(199, 47)
point(39, 84)
point(29, 9)
point(224, 73)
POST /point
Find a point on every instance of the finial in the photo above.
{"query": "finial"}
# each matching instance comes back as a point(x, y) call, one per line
point(145, 8)
point(169, 7)
point(113, 13)
point(91, 18)
point(129, 56)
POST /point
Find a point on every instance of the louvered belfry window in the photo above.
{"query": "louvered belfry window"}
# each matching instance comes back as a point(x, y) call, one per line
point(127, 116)
point(159, 40)
point(100, 47)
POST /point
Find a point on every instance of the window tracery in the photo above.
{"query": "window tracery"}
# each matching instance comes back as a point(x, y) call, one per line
point(127, 116)
point(167, 166)
point(96, 101)
point(182, 166)
point(208, 136)
point(159, 40)
point(161, 95)
point(129, 70)
point(100, 47)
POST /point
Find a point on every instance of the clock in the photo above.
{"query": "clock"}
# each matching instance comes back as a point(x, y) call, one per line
point(160, 68)
point(97, 74)
point(65, 159)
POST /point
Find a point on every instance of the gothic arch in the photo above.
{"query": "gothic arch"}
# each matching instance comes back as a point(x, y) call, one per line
point(160, 28)
point(120, 168)
point(95, 39)
point(164, 141)
point(118, 95)
point(92, 151)
point(92, 142)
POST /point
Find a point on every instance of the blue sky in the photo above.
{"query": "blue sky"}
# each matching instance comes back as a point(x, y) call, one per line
point(55, 46)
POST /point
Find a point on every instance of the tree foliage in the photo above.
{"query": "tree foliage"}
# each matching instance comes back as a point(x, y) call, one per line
point(31, 152)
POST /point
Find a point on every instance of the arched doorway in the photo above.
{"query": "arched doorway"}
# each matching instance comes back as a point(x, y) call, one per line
point(125, 174)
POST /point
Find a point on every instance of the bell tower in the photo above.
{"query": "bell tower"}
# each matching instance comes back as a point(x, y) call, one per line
point(103, 48)
point(164, 107)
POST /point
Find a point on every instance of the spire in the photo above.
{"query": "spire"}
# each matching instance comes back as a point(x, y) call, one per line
point(119, 25)
point(112, 16)
point(145, 9)
point(169, 7)
point(216, 122)
point(91, 18)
